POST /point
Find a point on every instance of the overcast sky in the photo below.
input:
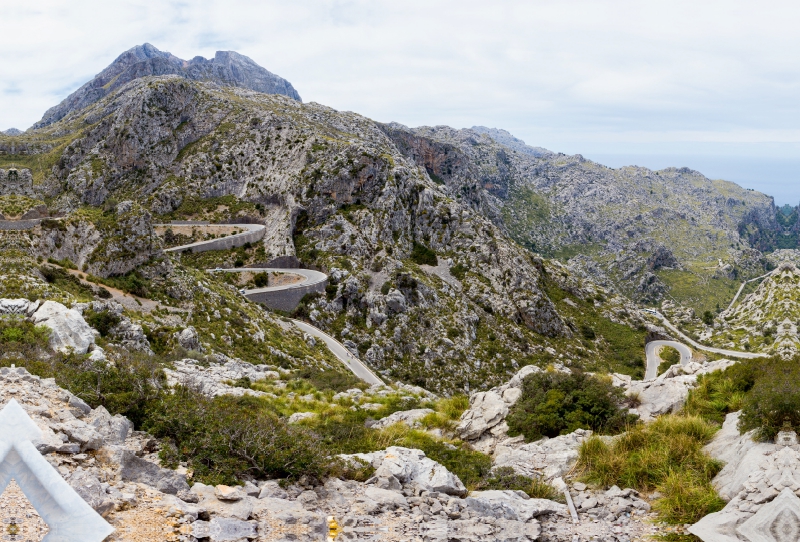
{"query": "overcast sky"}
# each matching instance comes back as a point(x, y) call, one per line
point(711, 85)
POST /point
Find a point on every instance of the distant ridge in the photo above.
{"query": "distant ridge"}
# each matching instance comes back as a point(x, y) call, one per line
point(12, 132)
point(505, 138)
point(226, 68)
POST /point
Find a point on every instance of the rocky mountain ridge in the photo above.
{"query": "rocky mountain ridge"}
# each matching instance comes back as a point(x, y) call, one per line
point(227, 68)
point(609, 220)
point(419, 279)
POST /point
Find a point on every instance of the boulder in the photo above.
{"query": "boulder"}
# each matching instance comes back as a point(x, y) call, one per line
point(410, 465)
point(487, 409)
point(514, 505)
point(112, 429)
point(21, 307)
point(228, 493)
point(92, 491)
point(409, 417)
point(68, 330)
point(546, 458)
point(135, 469)
point(300, 416)
point(740, 453)
point(82, 433)
point(386, 498)
point(189, 339)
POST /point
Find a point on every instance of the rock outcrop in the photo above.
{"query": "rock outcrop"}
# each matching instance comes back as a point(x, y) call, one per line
point(762, 483)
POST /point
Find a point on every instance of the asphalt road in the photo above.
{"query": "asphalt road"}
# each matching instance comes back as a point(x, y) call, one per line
point(355, 365)
point(339, 350)
point(311, 277)
point(698, 346)
point(654, 360)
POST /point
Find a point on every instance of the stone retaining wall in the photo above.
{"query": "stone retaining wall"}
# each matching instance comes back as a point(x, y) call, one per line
point(19, 224)
point(286, 300)
point(223, 243)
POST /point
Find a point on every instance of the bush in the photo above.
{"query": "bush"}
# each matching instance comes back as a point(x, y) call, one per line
point(261, 280)
point(459, 271)
point(227, 438)
point(102, 293)
point(20, 336)
point(555, 403)
point(670, 357)
point(330, 380)
point(665, 455)
point(773, 404)
point(103, 322)
point(422, 255)
point(505, 478)
point(708, 318)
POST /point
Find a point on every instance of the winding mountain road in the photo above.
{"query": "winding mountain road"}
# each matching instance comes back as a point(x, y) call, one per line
point(698, 346)
point(654, 360)
point(310, 278)
point(739, 292)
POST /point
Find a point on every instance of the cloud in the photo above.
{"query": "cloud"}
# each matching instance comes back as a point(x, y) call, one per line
point(557, 74)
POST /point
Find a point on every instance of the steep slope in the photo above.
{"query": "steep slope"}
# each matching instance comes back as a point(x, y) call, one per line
point(422, 286)
point(767, 319)
point(625, 223)
point(226, 68)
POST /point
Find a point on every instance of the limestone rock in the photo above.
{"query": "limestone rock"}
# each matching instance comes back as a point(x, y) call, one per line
point(69, 331)
point(409, 417)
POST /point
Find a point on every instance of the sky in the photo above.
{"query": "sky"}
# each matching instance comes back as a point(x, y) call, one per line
point(710, 85)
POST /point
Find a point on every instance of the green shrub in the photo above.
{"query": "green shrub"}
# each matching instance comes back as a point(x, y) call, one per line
point(665, 455)
point(330, 380)
point(588, 333)
point(227, 438)
point(773, 404)
point(555, 403)
point(669, 356)
point(261, 280)
point(103, 322)
point(20, 336)
point(386, 287)
point(708, 318)
point(505, 478)
point(459, 271)
point(422, 255)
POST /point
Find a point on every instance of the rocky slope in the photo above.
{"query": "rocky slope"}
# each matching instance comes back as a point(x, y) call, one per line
point(423, 286)
point(226, 68)
point(624, 224)
point(766, 320)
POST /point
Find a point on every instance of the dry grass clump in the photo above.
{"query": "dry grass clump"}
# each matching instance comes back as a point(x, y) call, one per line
point(666, 456)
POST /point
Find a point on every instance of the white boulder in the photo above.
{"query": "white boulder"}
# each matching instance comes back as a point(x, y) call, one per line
point(409, 417)
point(69, 331)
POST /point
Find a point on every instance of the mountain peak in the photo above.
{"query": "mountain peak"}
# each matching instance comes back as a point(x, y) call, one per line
point(226, 68)
point(12, 132)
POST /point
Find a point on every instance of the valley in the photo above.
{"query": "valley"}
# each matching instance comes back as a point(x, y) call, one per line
point(246, 317)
